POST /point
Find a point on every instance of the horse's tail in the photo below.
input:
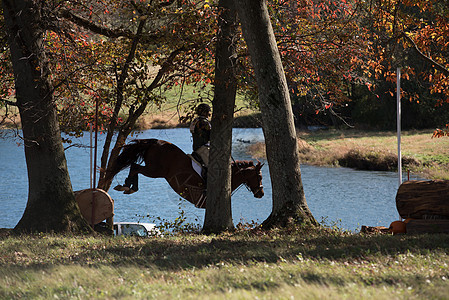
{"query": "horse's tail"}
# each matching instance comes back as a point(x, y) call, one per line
point(134, 152)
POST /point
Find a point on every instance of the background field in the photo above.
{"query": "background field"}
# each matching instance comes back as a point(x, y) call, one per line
point(373, 150)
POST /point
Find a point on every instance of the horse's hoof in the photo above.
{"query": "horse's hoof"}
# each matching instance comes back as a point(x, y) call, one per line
point(121, 188)
point(129, 191)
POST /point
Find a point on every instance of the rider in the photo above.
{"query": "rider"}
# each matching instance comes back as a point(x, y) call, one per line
point(200, 129)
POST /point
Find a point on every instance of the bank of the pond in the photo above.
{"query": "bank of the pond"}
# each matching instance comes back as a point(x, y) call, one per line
point(363, 150)
point(162, 119)
point(372, 150)
point(296, 263)
point(166, 120)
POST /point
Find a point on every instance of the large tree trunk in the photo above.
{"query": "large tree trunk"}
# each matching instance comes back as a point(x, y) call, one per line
point(218, 207)
point(51, 203)
point(289, 202)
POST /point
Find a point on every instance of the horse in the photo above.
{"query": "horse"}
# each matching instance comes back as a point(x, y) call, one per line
point(165, 160)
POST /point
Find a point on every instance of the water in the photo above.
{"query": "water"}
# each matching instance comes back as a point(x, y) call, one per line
point(340, 196)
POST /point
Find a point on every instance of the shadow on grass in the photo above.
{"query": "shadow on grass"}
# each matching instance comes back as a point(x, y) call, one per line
point(167, 254)
point(241, 248)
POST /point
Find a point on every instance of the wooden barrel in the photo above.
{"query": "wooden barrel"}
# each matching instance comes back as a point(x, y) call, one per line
point(104, 205)
point(423, 199)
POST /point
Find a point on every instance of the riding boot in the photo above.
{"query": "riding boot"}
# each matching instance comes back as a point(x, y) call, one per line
point(204, 173)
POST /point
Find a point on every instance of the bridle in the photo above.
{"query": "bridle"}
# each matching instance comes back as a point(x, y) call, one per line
point(257, 189)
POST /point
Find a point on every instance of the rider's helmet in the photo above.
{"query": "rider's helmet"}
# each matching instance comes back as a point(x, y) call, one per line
point(203, 109)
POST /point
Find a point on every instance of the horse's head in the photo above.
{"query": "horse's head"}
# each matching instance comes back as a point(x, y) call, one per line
point(253, 180)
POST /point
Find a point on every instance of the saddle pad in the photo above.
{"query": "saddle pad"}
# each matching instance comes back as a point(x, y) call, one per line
point(195, 165)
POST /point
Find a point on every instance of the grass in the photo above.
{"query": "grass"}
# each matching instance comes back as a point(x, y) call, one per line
point(295, 263)
point(422, 154)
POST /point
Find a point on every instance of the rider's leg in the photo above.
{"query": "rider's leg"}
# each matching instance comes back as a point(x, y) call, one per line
point(203, 152)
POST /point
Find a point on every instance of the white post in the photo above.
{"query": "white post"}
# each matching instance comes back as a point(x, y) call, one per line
point(398, 117)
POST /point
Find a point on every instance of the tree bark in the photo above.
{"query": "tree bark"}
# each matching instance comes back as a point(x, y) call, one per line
point(51, 203)
point(218, 216)
point(289, 202)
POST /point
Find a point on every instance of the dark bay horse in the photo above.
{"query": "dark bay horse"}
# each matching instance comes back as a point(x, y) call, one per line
point(165, 160)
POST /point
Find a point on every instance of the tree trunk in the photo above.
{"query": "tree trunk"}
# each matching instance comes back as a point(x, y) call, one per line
point(51, 203)
point(289, 202)
point(218, 207)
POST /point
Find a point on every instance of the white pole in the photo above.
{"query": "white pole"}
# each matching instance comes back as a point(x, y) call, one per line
point(398, 117)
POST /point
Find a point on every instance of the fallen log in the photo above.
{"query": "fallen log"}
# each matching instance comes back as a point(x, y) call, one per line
point(427, 226)
point(423, 199)
point(374, 229)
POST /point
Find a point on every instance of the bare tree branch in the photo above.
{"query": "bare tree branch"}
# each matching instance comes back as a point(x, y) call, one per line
point(164, 68)
point(437, 66)
point(80, 21)
point(109, 32)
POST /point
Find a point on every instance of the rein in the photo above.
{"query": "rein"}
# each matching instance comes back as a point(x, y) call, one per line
point(239, 188)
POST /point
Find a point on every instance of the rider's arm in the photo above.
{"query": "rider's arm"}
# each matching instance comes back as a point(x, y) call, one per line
point(204, 129)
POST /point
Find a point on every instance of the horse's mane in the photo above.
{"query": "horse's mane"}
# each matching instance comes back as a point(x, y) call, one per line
point(244, 163)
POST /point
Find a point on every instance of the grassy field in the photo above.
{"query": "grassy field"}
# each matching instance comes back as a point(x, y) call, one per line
point(179, 101)
point(422, 154)
point(290, 264)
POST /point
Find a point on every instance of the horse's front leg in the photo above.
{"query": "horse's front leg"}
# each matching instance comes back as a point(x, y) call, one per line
point(131, 182)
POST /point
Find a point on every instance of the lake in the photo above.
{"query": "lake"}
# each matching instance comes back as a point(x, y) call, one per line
point(340, 196)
